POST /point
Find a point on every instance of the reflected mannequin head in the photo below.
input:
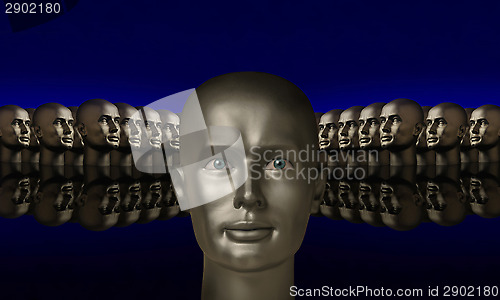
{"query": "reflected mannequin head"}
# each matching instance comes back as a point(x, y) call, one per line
point(150, 203)
point(401, 204)
point(485, 195)
point(130, 129)
point(169, 205)
point(170, 127)
point(330, 205)
point(53, 126)
point(15, 193)
point(152, 128)
point(54, 202)
point(445, 201)
point(99, 204)
point(262, 223)
point(401, 123)
point(422, 138)
point(34, 143)
point(446, 125)
point(130, 204)
point(348, 128)
point(14, 127)
point(485, 127)
point(328, 130)
point(349, 201)
point(98, 122)
point(77, 138)
point(369, 201)
point(369, 126)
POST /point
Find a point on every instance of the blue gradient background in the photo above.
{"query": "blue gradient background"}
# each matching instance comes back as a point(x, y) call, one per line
point(341, 53)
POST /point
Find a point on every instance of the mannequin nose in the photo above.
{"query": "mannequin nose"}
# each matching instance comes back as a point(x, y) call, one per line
point(344, 130)
point(386, 127)
point(322, 133)
point(154, 131)
point(67, 129)
point(112, 127)
point(475, 128)
point(24, 128)
point(248, 196)
point(433, 128)
point(364, 128)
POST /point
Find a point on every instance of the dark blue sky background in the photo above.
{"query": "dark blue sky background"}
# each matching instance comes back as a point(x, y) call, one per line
point(340, 53)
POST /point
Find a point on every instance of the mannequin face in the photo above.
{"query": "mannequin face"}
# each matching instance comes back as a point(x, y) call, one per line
point(328, 130)
point(53, 126)
point(485, 127)
point(99, 124)
point(369, 208)
point(34, 143)
point(465, 143)
point(446, 125)
point(170, 127)
point(400, 124)
point(263, 222)
point(14, 127)
point(153, 128)
point(348, 201)
point(54, 203)
point(130, 129)
point(369, 127)
point(348, 128)
point(77, 138)
point(130, 204)
point(400, 206)
point(422, 137)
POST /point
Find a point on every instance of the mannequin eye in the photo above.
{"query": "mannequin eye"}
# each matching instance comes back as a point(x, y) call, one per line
point(374, 122)
point(382, 120)
point(361, 122)
point(71, 122)
point(278, 164)
point(429, 123)
point(28, 123)
point(217, 164)
point(341, 124)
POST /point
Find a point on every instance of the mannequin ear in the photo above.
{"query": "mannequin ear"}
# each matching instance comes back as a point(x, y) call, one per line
point(418, 129)
point(38, 197)
point(80, 201)
point(461, 197)
point(320, 185)
point(417, 199)
point(38, 131)
point(461, 131)
point(81, 128)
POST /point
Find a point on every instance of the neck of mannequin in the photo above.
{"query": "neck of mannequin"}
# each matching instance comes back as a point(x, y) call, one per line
point(469, 155)
point(93, 157)
point(450, 157)
point(120, 158)
point(10, 155)
point(489, 155)
point(220, 283)
point(73, 158)
point(51, 158)
point(405, 157)
point(426, 158)
point(30, 156)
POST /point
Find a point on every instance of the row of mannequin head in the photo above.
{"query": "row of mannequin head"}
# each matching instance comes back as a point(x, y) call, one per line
point(405, 133)
point(95, 133)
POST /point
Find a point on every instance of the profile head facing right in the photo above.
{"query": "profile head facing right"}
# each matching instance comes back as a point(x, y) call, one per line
point(485, 127)
point(328, 130)
point(14, 127)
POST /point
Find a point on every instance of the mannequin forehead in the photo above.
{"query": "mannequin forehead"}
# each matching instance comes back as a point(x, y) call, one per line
point(407, 109)
point(168, 116)
point(350, 114)
point(492, 113)
point(47, 113)
point(450, 112)
point(331, 117)
point(125, 110)
point(265, 108)
point(92, 110)
point(371, 111)
point(150, 114)
point(12, 112)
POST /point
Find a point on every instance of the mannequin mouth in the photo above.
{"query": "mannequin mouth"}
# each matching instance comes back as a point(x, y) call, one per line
point(475, 138)
point(386, 138)
point(174, 143)
point(67, 140)
point(246, 232)
point(113, 139)
point(344, 141)
point(24, 139)
point(324, 143)
point(155, 142)
point(364, 140)
point(133, 140)
point(432, 140)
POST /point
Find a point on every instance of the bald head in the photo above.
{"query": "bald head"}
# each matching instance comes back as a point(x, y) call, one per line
point(348, 127)
point(369, 126)
point(485, 126)
point(98, 123)
point(328, 128)
point(53, 126)
point(14, 127)
point(401, 123)
point(446, 125)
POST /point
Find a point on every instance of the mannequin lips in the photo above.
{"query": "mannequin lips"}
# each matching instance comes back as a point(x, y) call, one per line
point(24, 139)
point(247, 231)
point(386, 138)
point(364, 140)
point(113, 138)
point(432, 140)
point(67, 140)
point(475, 138)
point(174, 143)
point(344, 141)
point(324, 142)
point(155, 141)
